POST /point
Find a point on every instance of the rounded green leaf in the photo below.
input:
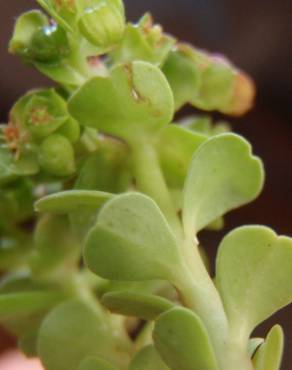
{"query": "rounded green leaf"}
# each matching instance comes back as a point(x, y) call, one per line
point(223, 175)
point(71, 332)
point(176, 147)
point(25, 303)
point(72, 200)
point(254, 275)
point(147, 359)
point(134, 101)
point(95, 363)
point(144, 306)
point(269, 355)
point(183, 341)
point(132, 241)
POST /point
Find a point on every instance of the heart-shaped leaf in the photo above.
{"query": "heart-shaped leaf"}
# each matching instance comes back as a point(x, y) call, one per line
point(144, 306)
point(147, 359)
point(183, 342)
point(223, 175)
point(134, 101)
point(71, 332)
point(176, 147)
point(72, 200)
point(132, 241)
point(95, 363)
point(269, 355)
point(254, 275)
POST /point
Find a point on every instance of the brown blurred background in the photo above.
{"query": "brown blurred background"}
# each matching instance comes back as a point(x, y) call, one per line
point(255, 35)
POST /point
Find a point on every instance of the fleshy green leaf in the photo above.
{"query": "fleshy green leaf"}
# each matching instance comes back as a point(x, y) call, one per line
point(223, 175)
point(144, 306)
point(95, 363)
point(132, 241)
point(24, 303)
point(207, 81)
point(72, 200)
point(134, 101)
point(183, 342)
point(147, 359)
point(71, 332)
point(253, 344)
point(269, 355)
point(254, 274)
point(176, 147)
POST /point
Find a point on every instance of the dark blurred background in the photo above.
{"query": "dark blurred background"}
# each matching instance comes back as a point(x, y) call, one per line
point(255, 35)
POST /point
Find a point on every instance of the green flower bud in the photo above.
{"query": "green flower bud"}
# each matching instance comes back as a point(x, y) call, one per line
point(37, 40)
point(40, 113)
point(49, 44)
point(64, 5)
point(56, 156)
point(25, 27)
point(71, 130)
point(103, 24)
point(143, 41)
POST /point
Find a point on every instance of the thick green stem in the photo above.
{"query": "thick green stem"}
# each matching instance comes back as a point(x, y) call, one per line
point(199, 293)
point(195, 285)
point(150, 181)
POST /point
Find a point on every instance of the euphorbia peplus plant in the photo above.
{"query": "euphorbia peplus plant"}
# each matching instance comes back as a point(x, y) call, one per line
point(121, 193)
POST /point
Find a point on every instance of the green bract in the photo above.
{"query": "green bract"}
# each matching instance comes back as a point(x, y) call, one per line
point(109, 273)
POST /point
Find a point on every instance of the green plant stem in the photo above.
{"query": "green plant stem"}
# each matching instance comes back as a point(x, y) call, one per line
point(199, 293)
point(150, 181)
